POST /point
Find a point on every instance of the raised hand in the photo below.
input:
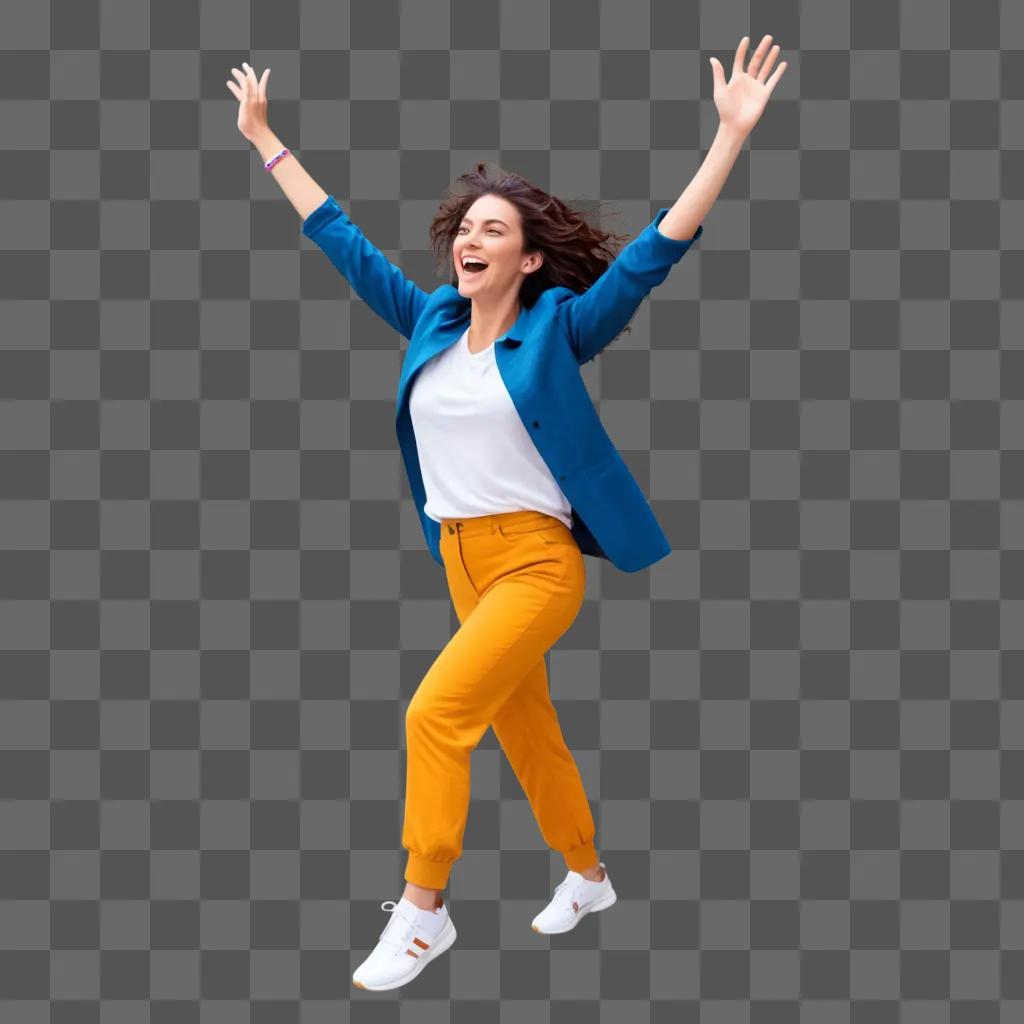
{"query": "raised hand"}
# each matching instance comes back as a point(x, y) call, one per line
point(742, 99)
point(252, 100)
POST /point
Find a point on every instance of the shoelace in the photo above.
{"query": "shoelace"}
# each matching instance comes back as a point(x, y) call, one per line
point(398, 939)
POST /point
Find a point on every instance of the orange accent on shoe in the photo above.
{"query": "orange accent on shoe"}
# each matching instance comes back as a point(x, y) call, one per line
point(411, 953)
point(575, 906)
point(422, 944)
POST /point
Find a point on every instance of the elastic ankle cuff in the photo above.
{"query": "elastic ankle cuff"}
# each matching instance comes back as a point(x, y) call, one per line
point(581, 857)
point(430, 874)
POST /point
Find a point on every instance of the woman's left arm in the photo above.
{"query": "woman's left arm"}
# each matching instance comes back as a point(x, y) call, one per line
point(595, 317)
point(740, 103)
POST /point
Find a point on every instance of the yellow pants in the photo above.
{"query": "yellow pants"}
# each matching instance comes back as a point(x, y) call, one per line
point(516, 581)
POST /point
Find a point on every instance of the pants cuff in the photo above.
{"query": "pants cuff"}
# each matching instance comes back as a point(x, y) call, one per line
point(581, 857)
point(431, 874)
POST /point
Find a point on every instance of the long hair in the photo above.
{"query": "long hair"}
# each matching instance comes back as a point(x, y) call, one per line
point(575, 252)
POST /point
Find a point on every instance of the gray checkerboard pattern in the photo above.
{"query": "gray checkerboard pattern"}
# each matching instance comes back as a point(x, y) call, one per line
point(801, 732)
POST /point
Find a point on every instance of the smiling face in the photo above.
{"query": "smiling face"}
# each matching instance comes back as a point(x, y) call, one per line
point(491, 231)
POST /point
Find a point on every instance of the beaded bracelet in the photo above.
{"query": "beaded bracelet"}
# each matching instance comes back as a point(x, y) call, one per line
point(270, 164)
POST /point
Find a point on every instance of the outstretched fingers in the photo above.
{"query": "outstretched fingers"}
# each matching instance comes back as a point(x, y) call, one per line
point(247, 83)
point(774, 80)
point(741, 50)
point(755, 60)
point(250, 77)
point(767, 65)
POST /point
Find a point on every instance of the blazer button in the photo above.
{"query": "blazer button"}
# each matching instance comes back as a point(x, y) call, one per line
point(562, 477)
point(535, 423)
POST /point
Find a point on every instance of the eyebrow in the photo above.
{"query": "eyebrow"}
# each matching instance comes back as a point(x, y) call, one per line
point(491, 220)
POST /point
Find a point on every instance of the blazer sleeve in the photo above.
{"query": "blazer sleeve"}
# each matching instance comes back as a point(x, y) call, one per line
point(595, 317)
point(373, 277)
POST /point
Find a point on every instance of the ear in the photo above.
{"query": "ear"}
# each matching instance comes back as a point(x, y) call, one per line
point(534, 262)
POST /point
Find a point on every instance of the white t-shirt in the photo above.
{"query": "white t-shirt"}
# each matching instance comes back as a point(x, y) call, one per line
point(476, 457)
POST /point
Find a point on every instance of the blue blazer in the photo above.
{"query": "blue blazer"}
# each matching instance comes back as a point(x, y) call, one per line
point(539, 359)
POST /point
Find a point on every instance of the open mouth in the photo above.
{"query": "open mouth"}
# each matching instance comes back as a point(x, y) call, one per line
point(472, 268)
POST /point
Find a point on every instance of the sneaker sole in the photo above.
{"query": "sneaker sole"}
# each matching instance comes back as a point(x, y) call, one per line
point(602, 904)
point(444, 940)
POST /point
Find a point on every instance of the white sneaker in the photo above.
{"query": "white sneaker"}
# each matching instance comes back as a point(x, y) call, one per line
point(410, 940)
point(573, 898)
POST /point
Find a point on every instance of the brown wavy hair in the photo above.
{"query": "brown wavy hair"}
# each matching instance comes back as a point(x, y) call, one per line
point(576, 253)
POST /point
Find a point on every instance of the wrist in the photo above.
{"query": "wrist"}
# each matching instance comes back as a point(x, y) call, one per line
point(266, 143)
point(730, 136)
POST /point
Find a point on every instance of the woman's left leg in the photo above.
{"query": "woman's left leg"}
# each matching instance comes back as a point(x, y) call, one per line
point(527, 728)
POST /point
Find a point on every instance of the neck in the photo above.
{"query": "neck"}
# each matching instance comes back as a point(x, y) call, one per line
point(487, 323)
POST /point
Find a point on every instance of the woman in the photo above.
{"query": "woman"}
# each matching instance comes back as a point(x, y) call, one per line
point(513, 477)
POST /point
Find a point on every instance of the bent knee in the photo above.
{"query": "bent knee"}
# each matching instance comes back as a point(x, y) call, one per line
point(422, 715)
point(441, 726)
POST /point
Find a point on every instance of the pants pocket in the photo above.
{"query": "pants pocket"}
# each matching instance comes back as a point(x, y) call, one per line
point(544, 535)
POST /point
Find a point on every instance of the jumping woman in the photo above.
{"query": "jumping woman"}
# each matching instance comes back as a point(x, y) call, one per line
point(513, 476)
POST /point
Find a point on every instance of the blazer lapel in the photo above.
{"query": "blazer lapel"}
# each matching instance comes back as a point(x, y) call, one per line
point(451, 325)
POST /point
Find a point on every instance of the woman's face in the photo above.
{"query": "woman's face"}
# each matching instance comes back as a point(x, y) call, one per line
point(491, 231)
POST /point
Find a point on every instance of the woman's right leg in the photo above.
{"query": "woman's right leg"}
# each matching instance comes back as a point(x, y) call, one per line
point(464, 599)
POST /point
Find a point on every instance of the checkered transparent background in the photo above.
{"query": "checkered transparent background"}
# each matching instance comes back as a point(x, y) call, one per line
point(801, 732)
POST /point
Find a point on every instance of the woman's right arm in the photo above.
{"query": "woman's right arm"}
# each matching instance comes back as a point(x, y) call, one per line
point(305, 194)
point(373, 277)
